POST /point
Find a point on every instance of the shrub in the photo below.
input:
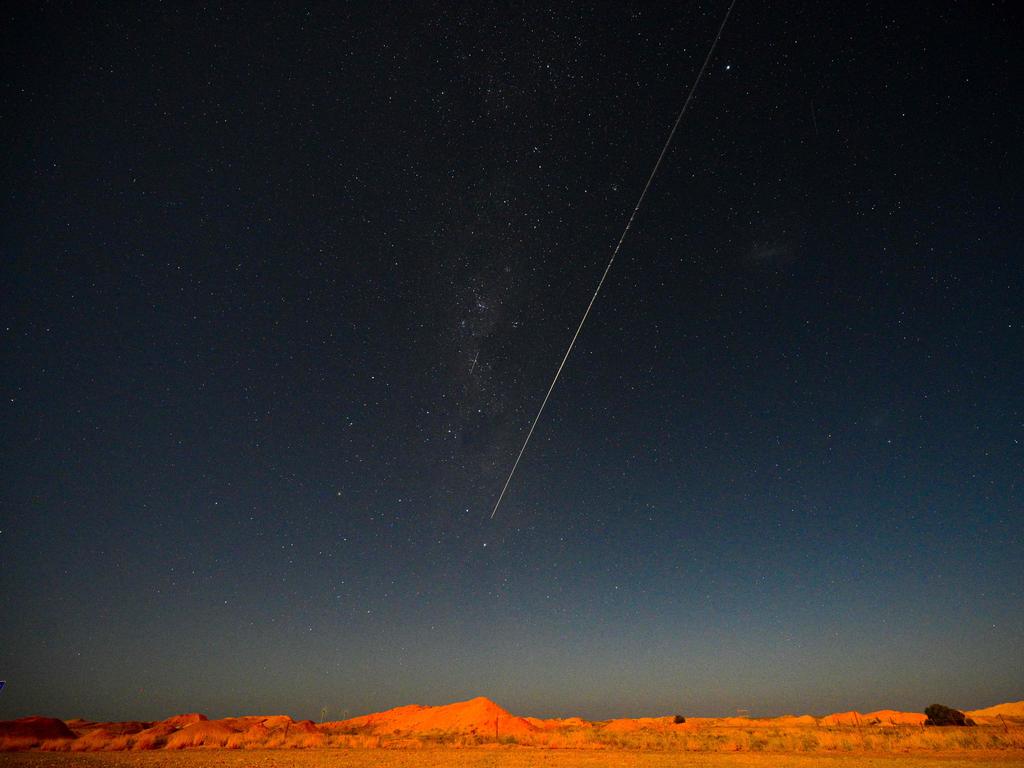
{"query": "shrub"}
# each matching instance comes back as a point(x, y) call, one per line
point(678, 719)
point(939, 714)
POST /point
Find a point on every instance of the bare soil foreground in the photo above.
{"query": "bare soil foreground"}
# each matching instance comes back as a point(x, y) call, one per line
point(500, 757)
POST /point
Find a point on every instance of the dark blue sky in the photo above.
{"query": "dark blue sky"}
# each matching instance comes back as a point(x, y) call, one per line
point(284, 287)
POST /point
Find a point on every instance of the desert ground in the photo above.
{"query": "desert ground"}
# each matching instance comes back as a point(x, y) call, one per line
point(478, 732)
point(478, 757)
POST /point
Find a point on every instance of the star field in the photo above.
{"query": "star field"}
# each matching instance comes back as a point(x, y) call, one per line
point(284, 287)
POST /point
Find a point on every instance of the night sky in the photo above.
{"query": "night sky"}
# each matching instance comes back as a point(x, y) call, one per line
point(283, 287)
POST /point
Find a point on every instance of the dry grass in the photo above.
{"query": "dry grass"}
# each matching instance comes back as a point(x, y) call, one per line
point(494, 757)
point(834, 739)
point(696, 741)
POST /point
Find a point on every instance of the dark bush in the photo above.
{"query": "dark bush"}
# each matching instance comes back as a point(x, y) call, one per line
point(678, 719)
point(939, 714)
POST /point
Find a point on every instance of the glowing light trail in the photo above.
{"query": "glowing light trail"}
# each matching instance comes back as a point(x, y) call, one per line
point(615, 252)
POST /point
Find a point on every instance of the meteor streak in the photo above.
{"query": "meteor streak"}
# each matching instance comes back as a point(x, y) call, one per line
point(615, 252)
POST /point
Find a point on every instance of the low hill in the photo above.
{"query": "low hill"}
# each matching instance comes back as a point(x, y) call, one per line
point(894, 717)
point(479, 715)
point(35, 728)
point(1009, 709)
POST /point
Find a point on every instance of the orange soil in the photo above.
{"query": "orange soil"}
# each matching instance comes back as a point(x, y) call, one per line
point(479, 715)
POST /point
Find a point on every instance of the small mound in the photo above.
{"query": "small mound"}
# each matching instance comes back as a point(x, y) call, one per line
point(80, 724)
point(895, 717)
point(844, 718)
point(630, 724)
point(240, 723)
point(180, 721)
point(1009, 709)
point(277, 721)
point(99, 739)
point(790, 721)
point(740, 721)
point(158, 730)
point(147, 741)
point(125, 728)
point(35, 728)
point(201, 734)
point(557, 722)
point(257, 731)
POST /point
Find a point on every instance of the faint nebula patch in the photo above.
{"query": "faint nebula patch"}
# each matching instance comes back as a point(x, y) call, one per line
point(772, 254)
